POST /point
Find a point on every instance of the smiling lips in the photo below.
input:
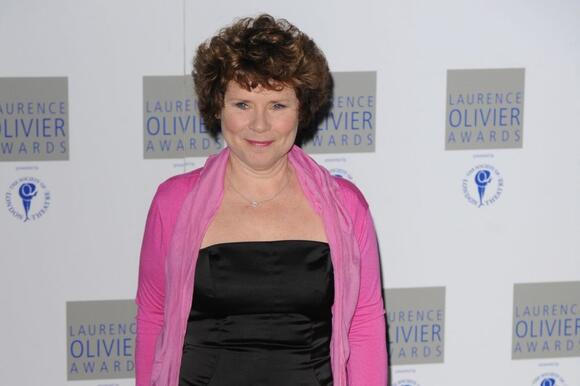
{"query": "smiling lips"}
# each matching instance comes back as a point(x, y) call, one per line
point(259, 143)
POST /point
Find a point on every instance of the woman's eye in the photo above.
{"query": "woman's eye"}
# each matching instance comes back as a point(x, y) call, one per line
point(278, 106)
point(242, 105)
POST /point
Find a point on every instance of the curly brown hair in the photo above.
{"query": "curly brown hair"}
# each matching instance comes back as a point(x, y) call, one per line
point(266, 52)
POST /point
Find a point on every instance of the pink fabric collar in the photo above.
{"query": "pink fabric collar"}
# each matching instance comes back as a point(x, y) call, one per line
point(198, 210)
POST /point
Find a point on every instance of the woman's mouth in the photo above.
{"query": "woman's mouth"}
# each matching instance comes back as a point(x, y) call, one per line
point(259, 143)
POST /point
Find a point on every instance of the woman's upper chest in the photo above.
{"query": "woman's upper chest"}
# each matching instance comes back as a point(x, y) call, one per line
point(290, 217)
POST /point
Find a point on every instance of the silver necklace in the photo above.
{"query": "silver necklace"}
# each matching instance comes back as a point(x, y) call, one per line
point(257, 203)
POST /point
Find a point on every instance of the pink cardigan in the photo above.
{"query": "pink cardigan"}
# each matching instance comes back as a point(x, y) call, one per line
point(358, 344)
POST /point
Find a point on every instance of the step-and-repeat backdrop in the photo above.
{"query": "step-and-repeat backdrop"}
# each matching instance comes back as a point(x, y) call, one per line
point(458, 120)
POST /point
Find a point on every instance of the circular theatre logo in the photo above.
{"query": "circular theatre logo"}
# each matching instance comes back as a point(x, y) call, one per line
point(482, 185)
point(27, 199)
point(406, 382)
point(341, 173)
point(549, 379)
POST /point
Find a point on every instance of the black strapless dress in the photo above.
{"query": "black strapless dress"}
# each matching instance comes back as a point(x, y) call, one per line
point(260, 315)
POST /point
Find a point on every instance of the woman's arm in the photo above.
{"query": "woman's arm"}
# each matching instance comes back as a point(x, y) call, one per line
point(150, 295)
point(367, 364)
point(150, 300)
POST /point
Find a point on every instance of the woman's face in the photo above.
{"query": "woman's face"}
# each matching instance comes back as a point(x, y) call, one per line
point(260, 125)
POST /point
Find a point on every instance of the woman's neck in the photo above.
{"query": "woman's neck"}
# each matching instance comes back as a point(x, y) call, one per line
point(258, 184)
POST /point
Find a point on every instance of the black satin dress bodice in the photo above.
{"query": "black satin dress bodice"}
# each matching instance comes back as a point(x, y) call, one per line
point(260, 315)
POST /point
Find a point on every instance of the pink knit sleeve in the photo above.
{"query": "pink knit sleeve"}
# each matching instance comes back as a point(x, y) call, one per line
point(367, 364)
point(150, 295)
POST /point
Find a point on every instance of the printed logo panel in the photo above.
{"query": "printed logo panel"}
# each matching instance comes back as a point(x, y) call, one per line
point(172, 125)
point(546, 320)
point(485, 109)
point(350, 127)
point(100, 339)
point(416, 323)
point(34, 123)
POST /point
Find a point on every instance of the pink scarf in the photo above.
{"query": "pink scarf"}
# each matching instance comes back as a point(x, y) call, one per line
point(199, 208)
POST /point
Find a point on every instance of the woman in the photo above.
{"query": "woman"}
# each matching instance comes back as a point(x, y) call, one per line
point(260, 268)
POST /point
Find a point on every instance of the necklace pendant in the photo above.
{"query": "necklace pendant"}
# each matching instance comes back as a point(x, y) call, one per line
point(254, 204)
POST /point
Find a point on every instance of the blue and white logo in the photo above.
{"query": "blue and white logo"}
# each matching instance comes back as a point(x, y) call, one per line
point(406, 382)
point(482, 185)
point(341, 173)
point(549, 379)
point(27, 199)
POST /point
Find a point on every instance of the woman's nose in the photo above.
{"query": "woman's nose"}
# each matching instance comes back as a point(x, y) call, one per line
point(260, 120)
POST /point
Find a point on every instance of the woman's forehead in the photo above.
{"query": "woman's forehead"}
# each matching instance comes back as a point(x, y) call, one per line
point(234, 89)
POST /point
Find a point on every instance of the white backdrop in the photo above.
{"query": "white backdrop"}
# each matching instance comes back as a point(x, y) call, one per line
point(86, 247)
